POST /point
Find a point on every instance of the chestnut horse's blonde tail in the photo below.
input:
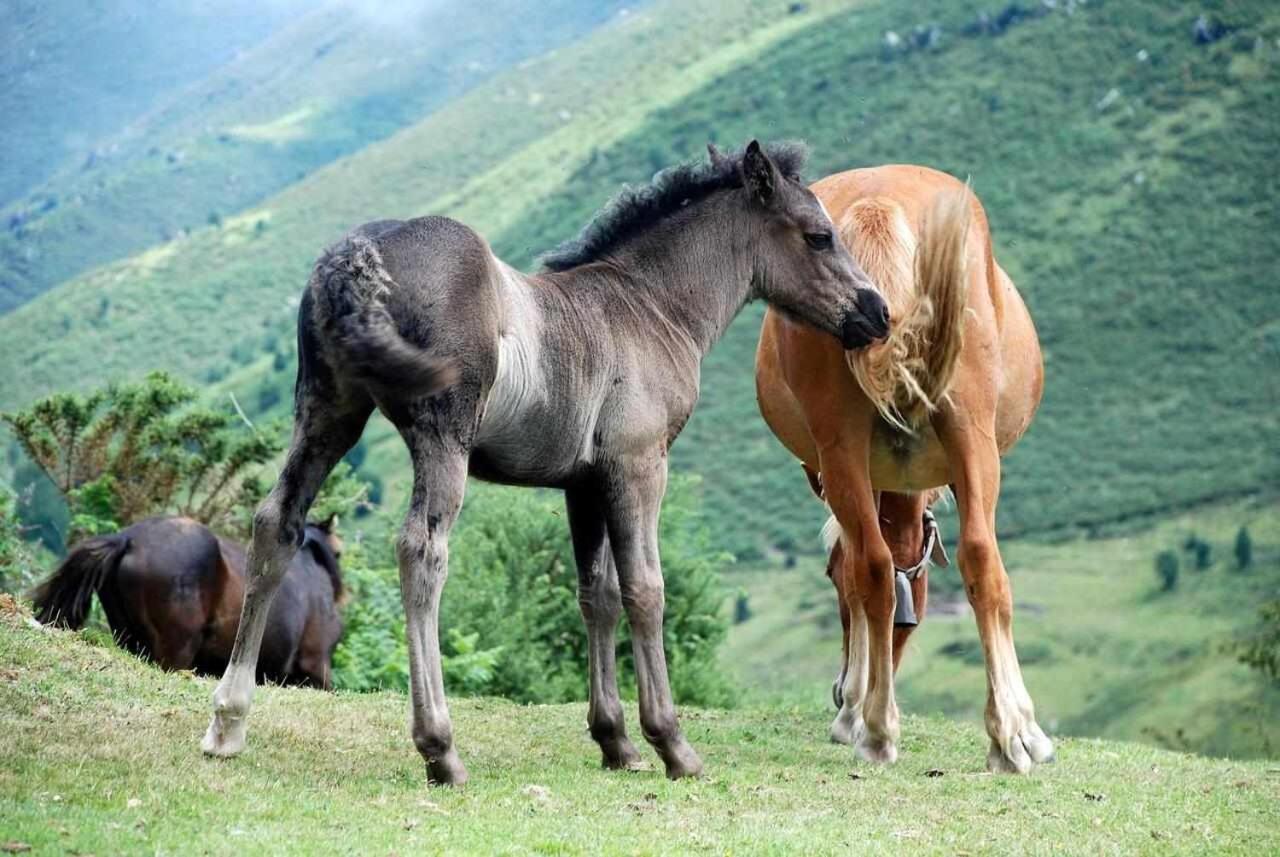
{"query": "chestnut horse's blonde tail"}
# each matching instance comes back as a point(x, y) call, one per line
point(924, 281)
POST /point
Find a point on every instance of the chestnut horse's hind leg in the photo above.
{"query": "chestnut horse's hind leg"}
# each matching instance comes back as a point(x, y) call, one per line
point(320, 439)
point(1017, 742)
point(439, 482)
point(601, 602)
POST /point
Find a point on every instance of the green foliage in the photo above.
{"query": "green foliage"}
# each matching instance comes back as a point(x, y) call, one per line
point(1243, 549)
point(18, 566)
point(147, 448)
point(1201, 551)
point(510, 623)
point(1261, 651)
point(141, 449)
point(1167, 570)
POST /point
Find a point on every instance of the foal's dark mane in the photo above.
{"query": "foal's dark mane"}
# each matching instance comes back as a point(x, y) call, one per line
point(324, 557)
point(638, 207)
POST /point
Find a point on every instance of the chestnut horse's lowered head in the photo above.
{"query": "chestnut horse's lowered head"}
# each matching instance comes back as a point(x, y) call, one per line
point(803, 269)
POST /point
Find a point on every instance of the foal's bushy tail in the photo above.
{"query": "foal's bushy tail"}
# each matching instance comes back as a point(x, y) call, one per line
point(63, 599)
point(355, 289)
point(925, 282)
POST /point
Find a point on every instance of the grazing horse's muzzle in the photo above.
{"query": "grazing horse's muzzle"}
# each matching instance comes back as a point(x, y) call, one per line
point(867, 322)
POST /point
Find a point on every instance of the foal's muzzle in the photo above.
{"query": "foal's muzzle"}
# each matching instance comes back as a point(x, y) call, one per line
point(867, 322)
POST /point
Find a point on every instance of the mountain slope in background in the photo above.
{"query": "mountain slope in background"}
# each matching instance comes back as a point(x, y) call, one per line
point(327, 82)
point(76, 72)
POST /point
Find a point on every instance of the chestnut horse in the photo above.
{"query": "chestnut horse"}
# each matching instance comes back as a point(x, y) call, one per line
point(171, 590)
point(951, 389)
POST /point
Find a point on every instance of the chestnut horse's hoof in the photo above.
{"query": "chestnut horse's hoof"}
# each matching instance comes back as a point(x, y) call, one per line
point(447, 770)
point(882, 751)
point(847, 728)
point(1021, 752)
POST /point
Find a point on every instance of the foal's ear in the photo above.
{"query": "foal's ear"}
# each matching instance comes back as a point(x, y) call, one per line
point(759, 175)
point(717, 157)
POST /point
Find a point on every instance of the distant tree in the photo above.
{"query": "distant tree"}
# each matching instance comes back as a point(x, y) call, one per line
point(1244, 549)
point(1262, 650)
point(1201, 550)
point(1167, 570)
point(147, 448)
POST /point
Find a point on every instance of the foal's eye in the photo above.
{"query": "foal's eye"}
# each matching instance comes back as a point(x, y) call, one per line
point(818, 240)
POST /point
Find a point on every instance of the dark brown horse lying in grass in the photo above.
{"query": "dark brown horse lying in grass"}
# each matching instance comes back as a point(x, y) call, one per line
point(172, 589)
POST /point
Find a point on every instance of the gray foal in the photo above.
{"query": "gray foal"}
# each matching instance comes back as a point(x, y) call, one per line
point(578, 377)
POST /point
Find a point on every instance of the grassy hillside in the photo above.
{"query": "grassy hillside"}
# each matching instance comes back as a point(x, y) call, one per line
point(1104, 652)
point(1135, 225)
point(100, 755)
point(339, 76)
point(75, 72)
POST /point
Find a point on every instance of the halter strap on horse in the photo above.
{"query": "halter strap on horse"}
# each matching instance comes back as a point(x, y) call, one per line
point(934, 553)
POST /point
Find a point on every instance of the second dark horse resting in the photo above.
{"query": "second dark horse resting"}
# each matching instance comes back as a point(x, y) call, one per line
point(579, 378)
point(171, 590)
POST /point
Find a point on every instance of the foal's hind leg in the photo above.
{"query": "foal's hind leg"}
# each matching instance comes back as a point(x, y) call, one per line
point(320, 439)
point(439, 482)
point(601, 602)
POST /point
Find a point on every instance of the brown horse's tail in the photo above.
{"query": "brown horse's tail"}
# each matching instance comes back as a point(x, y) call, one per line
point(63, 599)
point(924, 281)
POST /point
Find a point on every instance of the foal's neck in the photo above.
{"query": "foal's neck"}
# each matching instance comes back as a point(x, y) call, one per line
point(687, 276)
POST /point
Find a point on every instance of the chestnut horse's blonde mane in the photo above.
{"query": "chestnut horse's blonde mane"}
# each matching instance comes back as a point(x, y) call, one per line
point(923, 281)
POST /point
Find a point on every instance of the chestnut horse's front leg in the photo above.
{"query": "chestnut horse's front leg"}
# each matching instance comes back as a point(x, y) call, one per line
point(868, 582)
point(1017, 741)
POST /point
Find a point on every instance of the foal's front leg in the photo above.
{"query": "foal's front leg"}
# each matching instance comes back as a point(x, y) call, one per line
point(601, 602)
point(439, 481)
point(634, 500)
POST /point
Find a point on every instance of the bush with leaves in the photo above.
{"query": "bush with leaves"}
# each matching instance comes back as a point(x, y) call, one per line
point(1261, 651)
point(1167, 570)
point(510, 624)
point(18, 565)
point(148, 448)
point(1243, 549)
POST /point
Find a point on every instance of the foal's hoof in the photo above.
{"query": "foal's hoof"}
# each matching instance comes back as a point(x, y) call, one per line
point(681, 761)
point(447, 770)
point(225, 735)
point(621, 755)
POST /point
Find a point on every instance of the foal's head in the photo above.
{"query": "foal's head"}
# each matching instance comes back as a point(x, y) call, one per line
point(803, 268)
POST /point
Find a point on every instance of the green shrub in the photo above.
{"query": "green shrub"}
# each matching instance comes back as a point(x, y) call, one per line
point(1243, 549)
point(1167, 570)
point(510, 624)
point(18, 566)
